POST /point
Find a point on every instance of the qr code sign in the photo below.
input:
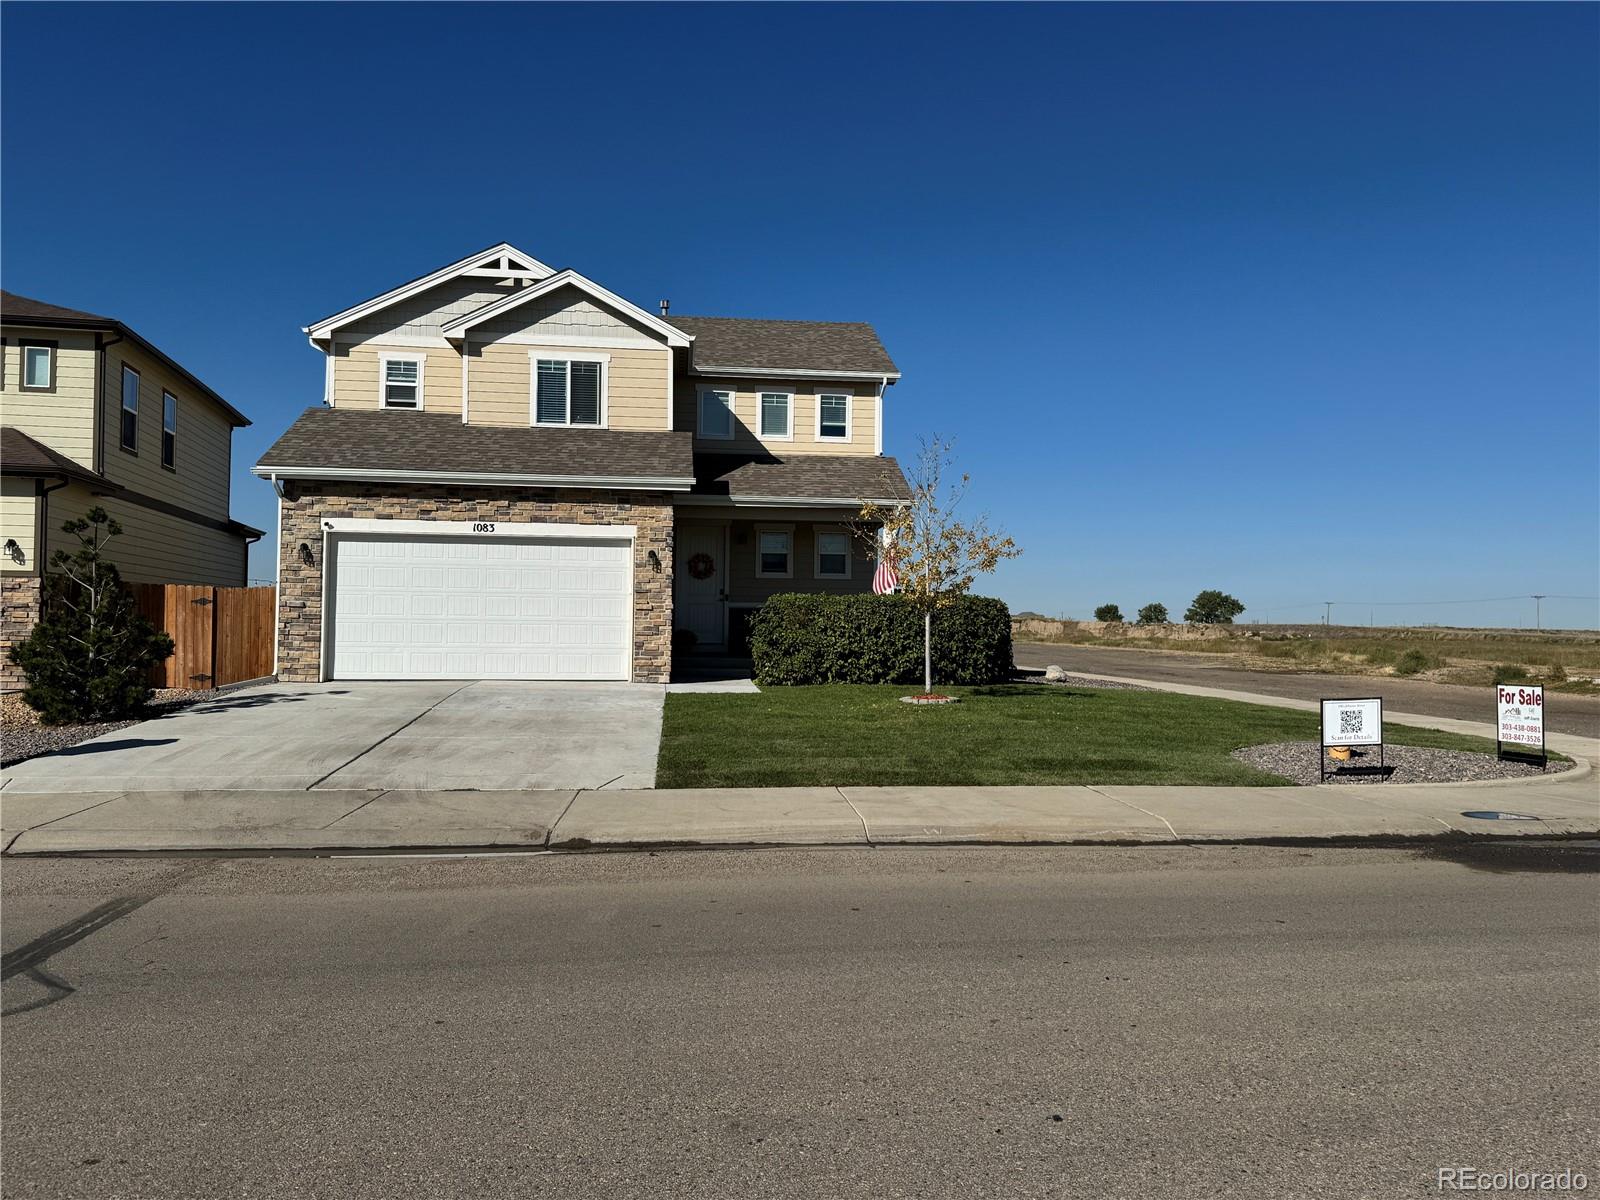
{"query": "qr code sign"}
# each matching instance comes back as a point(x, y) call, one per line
point(1350, 720)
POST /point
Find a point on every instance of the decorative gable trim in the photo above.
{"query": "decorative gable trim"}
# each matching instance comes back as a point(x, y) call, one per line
point(568, 278)
point(501, 261)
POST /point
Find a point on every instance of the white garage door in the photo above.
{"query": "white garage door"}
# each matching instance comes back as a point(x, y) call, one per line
point(410, 607)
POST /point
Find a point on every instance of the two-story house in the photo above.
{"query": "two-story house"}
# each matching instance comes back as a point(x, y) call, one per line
point(93, 414)
point(518, 474)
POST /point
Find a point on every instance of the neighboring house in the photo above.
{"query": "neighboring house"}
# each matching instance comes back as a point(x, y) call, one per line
point(92, 414)
point(520, 475)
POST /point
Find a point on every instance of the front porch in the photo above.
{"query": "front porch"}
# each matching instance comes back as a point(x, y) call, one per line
point(728, 559)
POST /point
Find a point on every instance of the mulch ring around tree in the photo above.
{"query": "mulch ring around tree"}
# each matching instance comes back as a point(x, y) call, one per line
point(1297, 762)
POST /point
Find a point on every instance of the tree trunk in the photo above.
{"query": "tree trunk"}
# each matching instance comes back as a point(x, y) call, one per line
point(927, 650)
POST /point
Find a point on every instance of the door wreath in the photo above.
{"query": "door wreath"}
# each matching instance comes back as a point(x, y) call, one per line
point(701, 566)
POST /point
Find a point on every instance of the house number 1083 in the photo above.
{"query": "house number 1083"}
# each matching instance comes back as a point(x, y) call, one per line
point(483, 527)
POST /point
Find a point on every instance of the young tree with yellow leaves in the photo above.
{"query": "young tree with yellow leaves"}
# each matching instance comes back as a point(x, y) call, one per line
point(936, 554)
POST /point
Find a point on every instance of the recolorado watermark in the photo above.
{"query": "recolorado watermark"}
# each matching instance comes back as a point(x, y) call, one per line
point(1473, 1179)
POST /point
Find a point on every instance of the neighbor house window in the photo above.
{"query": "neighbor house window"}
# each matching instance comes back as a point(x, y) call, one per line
point(169, 430)
point(130, 409)
point(833, 554)
point(400, 381)
point(833, 417)
point(777, 415)
point(38, 366)
point(568, 391)
point(774, 554)
point(716, 413)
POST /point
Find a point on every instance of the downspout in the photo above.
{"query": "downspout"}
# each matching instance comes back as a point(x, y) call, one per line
point(100, 344)
point(277, 577)
point(877, 422)
point(41, 552)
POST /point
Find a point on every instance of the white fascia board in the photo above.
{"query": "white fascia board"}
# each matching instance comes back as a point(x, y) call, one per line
point(792, 373)
point(501, 529)
point(460, 267)
point(567, 278)
point(854, 502)
point(638, 483)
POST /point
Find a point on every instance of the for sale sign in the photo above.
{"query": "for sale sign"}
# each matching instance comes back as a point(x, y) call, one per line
point(1519, 714)
point(1352, 722)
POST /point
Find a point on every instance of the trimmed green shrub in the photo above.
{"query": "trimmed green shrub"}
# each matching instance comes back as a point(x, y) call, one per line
point(805, 638)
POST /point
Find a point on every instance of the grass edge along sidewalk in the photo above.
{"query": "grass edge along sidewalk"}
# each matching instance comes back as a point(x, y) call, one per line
point(850, 735)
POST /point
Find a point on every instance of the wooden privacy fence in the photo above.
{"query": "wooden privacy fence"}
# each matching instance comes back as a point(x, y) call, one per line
point(220, 635)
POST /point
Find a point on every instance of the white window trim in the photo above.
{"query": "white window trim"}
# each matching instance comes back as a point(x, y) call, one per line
point(700, 412)
point(49, 369)
point(849, 415)
point(173, 465)
point(534, 357)
point(383, 380)
point(817, 532)
point(788, 532)
point(761, 400)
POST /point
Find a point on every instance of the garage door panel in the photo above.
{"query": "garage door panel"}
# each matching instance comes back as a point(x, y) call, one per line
point(443, 608)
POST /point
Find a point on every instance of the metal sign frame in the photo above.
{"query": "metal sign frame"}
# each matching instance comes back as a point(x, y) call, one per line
point(1322, 746)
point(1525, 754)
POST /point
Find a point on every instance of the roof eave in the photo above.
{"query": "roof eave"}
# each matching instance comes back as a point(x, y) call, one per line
point(649, 483)
point(795, 372)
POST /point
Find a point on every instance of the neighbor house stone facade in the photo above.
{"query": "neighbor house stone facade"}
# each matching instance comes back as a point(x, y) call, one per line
point(19, 612)
point(306, 505)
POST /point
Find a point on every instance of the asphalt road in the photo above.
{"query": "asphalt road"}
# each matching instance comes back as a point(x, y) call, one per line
point(1201, 1022)
point(1564, 713)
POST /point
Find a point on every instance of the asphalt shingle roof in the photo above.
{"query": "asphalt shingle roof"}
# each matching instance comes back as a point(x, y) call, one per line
point(438, 443)
point(727, 343)
point(24, 309)
point(21, 454)
point(800, 477)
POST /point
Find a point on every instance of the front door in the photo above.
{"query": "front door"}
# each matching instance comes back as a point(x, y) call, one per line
point(701, 572)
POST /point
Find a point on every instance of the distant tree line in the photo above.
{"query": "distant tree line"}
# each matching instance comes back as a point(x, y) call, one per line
point(1210, 607)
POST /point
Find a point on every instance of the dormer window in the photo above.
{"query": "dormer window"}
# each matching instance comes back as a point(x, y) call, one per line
point(401, 381)
point(569, 391)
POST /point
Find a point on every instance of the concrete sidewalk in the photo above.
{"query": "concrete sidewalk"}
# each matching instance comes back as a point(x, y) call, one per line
point(37, 823)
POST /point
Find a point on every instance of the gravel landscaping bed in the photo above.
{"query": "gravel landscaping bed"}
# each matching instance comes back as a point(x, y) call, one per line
point(22, 736)
point(1297, 762)
point(1085, 681)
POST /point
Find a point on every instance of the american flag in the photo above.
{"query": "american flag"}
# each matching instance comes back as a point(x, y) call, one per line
point(885, 579)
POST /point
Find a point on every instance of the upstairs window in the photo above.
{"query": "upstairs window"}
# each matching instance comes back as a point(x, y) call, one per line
point(400, 381)
point(716, 413)
point(569, 392)
point(773, 554)
point(130, 409)
point(777, 415)
point(38, 366)
point(833, 417)
point(833, 554)
point(169, 431)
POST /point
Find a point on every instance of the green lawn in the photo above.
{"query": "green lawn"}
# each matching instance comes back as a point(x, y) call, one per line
point(1010, 734)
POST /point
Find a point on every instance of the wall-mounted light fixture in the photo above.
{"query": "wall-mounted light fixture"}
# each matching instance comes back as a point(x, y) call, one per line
point(655, 561)
point(305, 554)
point(13, 551)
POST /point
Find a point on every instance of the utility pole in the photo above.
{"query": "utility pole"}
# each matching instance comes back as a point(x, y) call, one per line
point(1538, 614)
point(1327, 616)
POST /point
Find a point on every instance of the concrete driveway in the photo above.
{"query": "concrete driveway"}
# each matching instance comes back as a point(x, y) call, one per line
point(483, 736)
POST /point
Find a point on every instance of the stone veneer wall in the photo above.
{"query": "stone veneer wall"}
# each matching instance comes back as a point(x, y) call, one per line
point(19, 612)
point(305, 505)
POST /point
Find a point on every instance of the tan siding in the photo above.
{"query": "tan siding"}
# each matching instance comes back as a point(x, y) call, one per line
point(153, 547)
point(566, 313)
point(18, 520)
point(744, 587)
point(62, 419)
point(501, 384)
point(423, 315)
point(863, 418)
point(355, 376)
point(200, 480)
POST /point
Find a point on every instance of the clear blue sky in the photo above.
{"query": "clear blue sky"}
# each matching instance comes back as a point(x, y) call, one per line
point(1296, 301)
